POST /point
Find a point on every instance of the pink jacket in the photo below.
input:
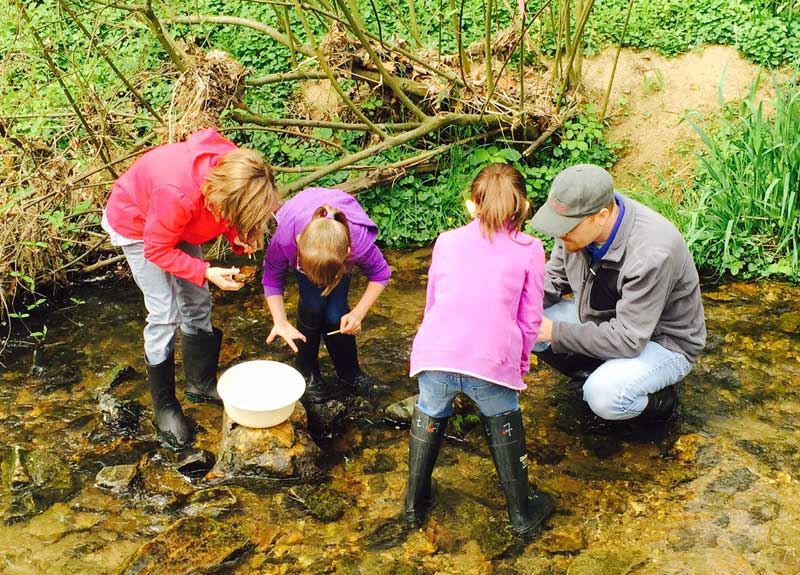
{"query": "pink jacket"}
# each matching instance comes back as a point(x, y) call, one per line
point(484, 306)
point(158, 200)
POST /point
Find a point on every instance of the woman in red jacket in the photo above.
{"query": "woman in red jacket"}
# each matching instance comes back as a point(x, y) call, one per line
point(161, 210)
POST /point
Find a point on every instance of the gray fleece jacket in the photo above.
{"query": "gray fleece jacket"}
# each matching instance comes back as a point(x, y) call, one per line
point(645, 288)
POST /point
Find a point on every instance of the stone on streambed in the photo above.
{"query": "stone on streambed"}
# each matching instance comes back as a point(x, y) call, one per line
point(213, 502)
point(117, 478)
point(283, 451)
point(401, 411)
point(31, 482)
point(192, 545)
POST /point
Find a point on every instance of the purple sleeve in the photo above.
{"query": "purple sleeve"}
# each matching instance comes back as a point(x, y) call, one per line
point(367, 256)
point(275, 265)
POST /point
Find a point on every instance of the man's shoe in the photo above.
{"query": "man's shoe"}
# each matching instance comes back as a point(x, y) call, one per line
point(661, 405)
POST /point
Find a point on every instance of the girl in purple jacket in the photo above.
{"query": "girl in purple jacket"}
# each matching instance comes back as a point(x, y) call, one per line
point(482, 314)
point(321, 235)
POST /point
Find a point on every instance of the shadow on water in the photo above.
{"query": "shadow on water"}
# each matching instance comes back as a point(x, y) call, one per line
point(714, 491)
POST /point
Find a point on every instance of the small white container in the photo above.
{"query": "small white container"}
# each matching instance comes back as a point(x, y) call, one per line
point(260, 393)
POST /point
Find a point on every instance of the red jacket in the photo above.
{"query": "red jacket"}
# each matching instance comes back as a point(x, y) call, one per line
point(158, 200)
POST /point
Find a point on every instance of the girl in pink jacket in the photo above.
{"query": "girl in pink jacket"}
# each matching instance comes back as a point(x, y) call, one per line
point(173, 199)
point(482, 314)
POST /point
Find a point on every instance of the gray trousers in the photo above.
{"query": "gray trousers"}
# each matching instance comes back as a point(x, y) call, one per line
point(171, 302)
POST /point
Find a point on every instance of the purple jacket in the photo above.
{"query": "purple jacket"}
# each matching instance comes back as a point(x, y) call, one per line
point(295, 215)
point(484, 306)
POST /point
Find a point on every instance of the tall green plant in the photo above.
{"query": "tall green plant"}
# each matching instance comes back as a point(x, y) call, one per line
point(745, 208)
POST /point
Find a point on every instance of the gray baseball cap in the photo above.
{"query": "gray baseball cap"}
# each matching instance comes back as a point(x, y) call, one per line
point(577, 192)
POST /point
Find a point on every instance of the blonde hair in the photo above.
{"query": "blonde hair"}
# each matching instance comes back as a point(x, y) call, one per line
point(241, 188)
point(324, 247)
point(498, 192)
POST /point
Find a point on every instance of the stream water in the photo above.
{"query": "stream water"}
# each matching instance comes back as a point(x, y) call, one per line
point(714, 492)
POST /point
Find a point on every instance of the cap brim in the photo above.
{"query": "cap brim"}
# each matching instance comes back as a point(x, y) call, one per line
point(551, 223)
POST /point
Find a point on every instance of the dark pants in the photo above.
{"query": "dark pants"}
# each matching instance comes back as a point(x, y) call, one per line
point(333, 306)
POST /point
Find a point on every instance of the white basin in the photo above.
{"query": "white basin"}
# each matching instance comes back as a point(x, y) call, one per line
point(260, 393)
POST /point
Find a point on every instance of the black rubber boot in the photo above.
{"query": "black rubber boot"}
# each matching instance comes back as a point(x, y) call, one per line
point(200, 359)
point(423, 448)
point(343, 352)
point(506, 436)
point(310, 324)
point(574, 365)
point(174, 428)
point(661, 405)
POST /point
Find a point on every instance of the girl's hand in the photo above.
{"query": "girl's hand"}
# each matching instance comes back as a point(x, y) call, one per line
point(288, 332)
point(248, 249)
point(223, 278)
point(350, 323)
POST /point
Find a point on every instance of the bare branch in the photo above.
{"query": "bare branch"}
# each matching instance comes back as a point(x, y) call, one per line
point(244, 117)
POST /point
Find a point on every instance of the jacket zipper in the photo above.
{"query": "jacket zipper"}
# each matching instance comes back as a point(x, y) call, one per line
point(592, 269)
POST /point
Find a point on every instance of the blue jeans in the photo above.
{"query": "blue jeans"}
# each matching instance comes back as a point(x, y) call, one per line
point(334, 305)
point(438, 389)
point(618, 389)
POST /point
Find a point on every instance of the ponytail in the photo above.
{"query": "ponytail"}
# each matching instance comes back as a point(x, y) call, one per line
point(323, 248)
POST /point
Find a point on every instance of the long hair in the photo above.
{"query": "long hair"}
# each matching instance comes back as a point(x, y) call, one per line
point(498, 192)
point(241, 188)
point(323, 248)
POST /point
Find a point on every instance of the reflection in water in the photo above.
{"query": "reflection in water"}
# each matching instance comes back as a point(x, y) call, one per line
point(715, 492)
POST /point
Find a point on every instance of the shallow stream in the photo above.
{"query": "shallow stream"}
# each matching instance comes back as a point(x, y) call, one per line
point(714, 492)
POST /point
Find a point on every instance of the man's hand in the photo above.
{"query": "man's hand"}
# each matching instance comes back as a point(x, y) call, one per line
point(223, 278)
point(545, 331)
point(350, 323)
point(288, 332)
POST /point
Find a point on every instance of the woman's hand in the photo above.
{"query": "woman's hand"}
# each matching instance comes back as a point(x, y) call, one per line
point(350, 323)
point(288, 332)
point(223, 278)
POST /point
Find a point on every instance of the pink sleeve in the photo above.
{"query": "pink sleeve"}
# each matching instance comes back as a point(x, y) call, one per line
point(529, 314)
point(169, 213)
point(230, 235)
point(431, 290)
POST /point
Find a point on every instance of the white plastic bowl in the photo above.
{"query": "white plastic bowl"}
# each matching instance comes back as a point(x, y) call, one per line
point(260, 393)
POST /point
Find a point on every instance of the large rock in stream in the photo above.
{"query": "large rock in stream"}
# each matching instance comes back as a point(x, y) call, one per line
point(190, 546)
point(283, 451)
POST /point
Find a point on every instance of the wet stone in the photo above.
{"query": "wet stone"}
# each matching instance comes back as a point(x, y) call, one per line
point(602, 562)
point(379, 462)
point(324, 416)
point(733, 482)
point(191, 545)
point(58, 521)
point(402, 410)
point(283, 451)
point(15, 474)
point(160, 478)
point(321, 501)
point(789, 322)
point(117, 374)
point(564, 540)
point(117, 478)
point(213, 502)
point(493, 535)
point(764, 511)
point(123, 417)
point(196, 462)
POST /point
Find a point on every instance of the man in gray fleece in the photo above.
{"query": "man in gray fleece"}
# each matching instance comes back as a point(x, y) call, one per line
point(635, 323)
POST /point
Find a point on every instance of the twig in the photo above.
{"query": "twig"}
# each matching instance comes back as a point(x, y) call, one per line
point(332, 78)
point(104, 55)
point(103, 263)
point(244, 22)
point(244, 117)
point(284, 131)
point(388, 78)
point(175, 54)
point(432, 124)
point(616, 60)
point(54, 70)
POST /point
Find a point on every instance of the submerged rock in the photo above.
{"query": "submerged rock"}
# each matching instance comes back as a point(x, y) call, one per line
point(123, 417)
point(160, 478)
point(196, 462)
point(190, 546)
point(32, 481)
point(789, 322)
point(16, 475)
point(212, 502)
point(117, 478)
point(602, 562)
point(402, 410)
point(283, 451)
point(321, 501)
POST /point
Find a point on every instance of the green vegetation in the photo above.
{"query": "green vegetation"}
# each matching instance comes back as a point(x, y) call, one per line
point(742, 213)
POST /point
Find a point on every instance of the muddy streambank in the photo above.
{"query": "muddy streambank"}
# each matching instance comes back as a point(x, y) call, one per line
point(714, 492)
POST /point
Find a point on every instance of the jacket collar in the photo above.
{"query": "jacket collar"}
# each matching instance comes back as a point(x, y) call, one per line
point(617, 248)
